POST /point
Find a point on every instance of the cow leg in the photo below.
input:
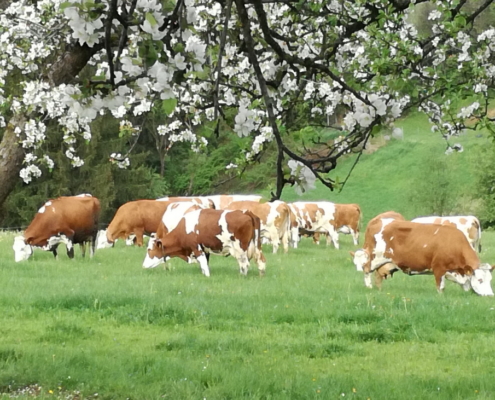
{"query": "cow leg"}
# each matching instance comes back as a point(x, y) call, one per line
point(367, 280)
point(316, 237)
point(54, 251)
point(92, 246)
point(70, 251)
point(355, 237)
point(203, 262)
point(139, 237)
point(285, 241)
point(439, 279)
point(82, 246)
point(275, 242)
point(260, 261)
point(334, 237)
point(243, 261)
point(378, 279)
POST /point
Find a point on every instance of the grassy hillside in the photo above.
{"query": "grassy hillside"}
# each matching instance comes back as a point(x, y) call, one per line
point(396, 175)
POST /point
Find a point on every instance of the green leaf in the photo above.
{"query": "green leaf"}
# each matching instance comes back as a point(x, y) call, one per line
point(67, 4)
point(151, 19)
point(168, 106)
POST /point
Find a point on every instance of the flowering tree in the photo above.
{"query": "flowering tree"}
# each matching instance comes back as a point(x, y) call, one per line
point(279, 64)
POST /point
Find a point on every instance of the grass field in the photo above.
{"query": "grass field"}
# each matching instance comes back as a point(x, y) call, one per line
point(105, 328)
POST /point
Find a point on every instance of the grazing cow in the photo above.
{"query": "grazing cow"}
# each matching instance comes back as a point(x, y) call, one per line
point(199, 232)
point(202, 201)
point(69, 220)
point(441, 250)
point(137, 217)
point(222, 201)
point(319, 217)
point(469, 225)
point(347, 221)
point(274, 217)
point(362, 257)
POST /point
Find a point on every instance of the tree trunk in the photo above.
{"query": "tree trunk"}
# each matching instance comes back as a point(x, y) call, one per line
point(11, 157)
point(68, 65)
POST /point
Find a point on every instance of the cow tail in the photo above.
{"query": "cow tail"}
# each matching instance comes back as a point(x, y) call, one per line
point(360, 219)
point(257, 229)
point(479, 235)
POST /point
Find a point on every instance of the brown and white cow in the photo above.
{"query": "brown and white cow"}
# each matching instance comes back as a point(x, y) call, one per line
point(202, 201)
point(441, 250)
point(347, 221)
point(69, 220)
point(137, 217)
point(222, 201)
point(469, 225)
point(323, 217)
point(201, 232)
point(362, 257)
point(274, 217)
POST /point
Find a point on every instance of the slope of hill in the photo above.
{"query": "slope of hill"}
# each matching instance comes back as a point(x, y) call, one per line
point(411, 175)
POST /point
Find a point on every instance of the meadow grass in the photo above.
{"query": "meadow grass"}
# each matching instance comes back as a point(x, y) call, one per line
point(105, 328)
point(309, 329)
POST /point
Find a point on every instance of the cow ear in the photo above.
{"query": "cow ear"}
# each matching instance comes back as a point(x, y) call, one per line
point(159, 243)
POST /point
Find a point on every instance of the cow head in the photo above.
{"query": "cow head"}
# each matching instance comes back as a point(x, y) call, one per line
point(360, 258)
point(102, 240)
point(22, 250)
point(481, 280)
point(155, 254)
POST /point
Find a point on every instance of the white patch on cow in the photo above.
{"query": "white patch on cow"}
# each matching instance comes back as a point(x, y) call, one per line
point(436, 231)
point(391, 238)
point(174, 213)
point(152, 262)
point(102, 240)
point(481, 280)
point(84, 195)
point(163, 199)
point(345, 230)
point(422, 272)
point(381, 245)
point(48, 203)
point(55, 240)
point(42, 209)
point(203, 263)
point(360, 259)
point(425, 245)
point(22, 251)
point(192, 220)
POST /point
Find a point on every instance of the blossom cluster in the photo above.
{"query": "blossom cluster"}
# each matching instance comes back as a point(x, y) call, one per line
point(361, 80)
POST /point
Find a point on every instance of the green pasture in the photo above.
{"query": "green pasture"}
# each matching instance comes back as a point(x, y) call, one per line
point(105, 328)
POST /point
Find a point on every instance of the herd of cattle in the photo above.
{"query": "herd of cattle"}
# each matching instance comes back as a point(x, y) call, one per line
point(192, 228)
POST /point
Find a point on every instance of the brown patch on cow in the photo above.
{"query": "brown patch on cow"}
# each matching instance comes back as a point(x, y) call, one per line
point(75, 217)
